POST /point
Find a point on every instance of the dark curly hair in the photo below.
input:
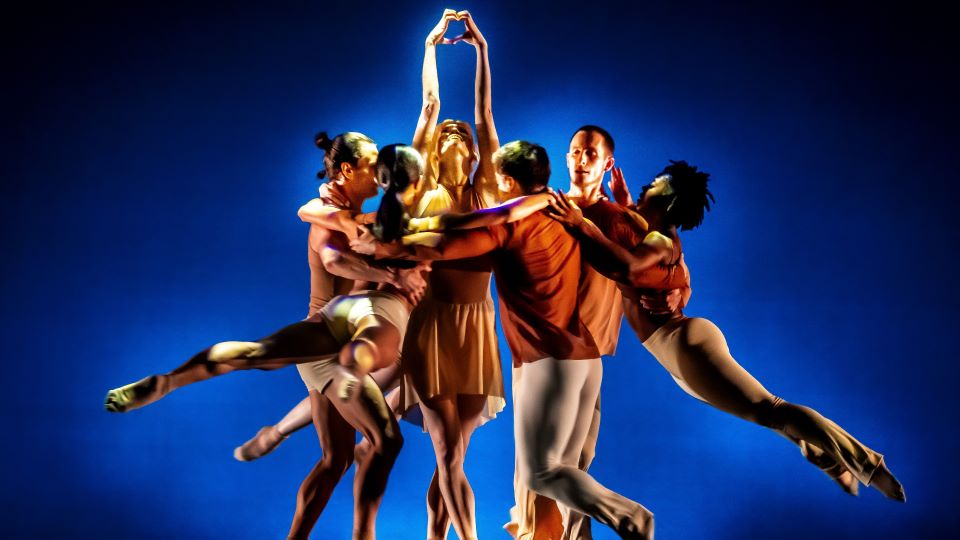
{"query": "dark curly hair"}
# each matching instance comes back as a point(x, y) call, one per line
point(398, 165)
point(690, 195)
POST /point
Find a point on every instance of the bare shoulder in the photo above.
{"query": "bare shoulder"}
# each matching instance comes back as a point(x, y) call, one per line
point(659, 241)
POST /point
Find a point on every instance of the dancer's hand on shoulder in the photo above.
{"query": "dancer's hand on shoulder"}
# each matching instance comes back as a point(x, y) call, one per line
point(564, 210)
point(366, 243)
point(366, 218)
point(662, 302)
point(619, 189)
point(436, 35)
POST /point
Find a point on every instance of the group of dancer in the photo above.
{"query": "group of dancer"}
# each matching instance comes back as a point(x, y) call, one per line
point(390, 334)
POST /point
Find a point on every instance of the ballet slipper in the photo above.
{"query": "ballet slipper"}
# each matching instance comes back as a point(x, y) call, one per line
point(265, 441)
point(136, 395)
point(844, 478)
point(834, 470)
point(883, 481)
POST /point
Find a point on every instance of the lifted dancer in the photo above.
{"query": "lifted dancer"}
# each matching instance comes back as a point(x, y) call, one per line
point(350, 337)
point(693, 350)
point(334, 269)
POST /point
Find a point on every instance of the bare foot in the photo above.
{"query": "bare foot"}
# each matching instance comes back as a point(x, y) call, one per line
point(264, 442)
point(884, 481)
point(136, 395)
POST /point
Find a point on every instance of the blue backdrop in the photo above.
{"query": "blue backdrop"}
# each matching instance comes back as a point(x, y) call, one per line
point(154, 156)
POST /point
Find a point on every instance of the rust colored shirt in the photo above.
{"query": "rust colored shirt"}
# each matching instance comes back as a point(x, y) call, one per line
point(601, 304)
point(537, 268)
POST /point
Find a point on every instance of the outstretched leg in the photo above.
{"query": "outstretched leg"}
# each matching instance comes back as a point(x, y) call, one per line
point(336, 440)
point(300, 416)
point(701, 363)
point(297, 343)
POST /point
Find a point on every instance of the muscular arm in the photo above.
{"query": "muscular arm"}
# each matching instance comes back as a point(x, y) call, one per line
point(613, 260)
point(351, 266)
point(508, 212)
point(430, 109)
point(315, 212)
point(452, 245)
point(339, 261)
point(484, 179)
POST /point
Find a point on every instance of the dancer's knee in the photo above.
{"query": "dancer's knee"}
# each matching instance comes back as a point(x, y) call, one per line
point(232, 350)
point(389, 442)
point(449, 458)
point(337, 462)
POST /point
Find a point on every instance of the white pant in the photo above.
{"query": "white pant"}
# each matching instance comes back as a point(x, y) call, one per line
point(555, 402)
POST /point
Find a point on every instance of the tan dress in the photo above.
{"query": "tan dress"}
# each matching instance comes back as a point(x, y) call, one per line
point(451, 345)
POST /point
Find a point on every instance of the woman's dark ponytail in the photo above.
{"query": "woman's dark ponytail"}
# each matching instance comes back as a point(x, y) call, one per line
point(397, 167)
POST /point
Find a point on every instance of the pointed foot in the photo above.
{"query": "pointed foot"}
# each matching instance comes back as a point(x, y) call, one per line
point(265, 441)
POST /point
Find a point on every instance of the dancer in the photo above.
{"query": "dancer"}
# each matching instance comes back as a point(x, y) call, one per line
point(350, 337)
point(559, 361)
point(334, 270)
point(450, 361)
point(693, 350)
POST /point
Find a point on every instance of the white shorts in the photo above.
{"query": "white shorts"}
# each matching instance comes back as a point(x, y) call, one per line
point(342, 315)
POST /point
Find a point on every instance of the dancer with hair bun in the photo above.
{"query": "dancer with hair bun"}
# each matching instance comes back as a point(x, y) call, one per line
point(350, 337)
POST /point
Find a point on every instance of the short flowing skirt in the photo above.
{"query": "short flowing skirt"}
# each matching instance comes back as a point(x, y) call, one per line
point(451, 350)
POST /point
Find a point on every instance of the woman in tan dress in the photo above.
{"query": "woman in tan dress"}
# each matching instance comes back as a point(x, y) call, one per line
point(450, 360)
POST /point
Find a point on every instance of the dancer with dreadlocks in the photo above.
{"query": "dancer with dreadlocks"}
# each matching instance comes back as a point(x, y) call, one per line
point(692, 349)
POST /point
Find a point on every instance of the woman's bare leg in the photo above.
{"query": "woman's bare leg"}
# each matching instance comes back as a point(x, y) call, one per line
point(703, 365)
point(300, 342)
point(368, 413)
point(336, 440)
point(450, 423)
point(300, 416)
point(361, 403)
point(270, 437)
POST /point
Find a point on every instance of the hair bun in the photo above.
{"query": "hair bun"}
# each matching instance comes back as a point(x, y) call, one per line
point(323, 141)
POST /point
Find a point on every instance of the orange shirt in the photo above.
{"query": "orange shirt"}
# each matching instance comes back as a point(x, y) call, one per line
point(601, 304)
point(537, 268)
